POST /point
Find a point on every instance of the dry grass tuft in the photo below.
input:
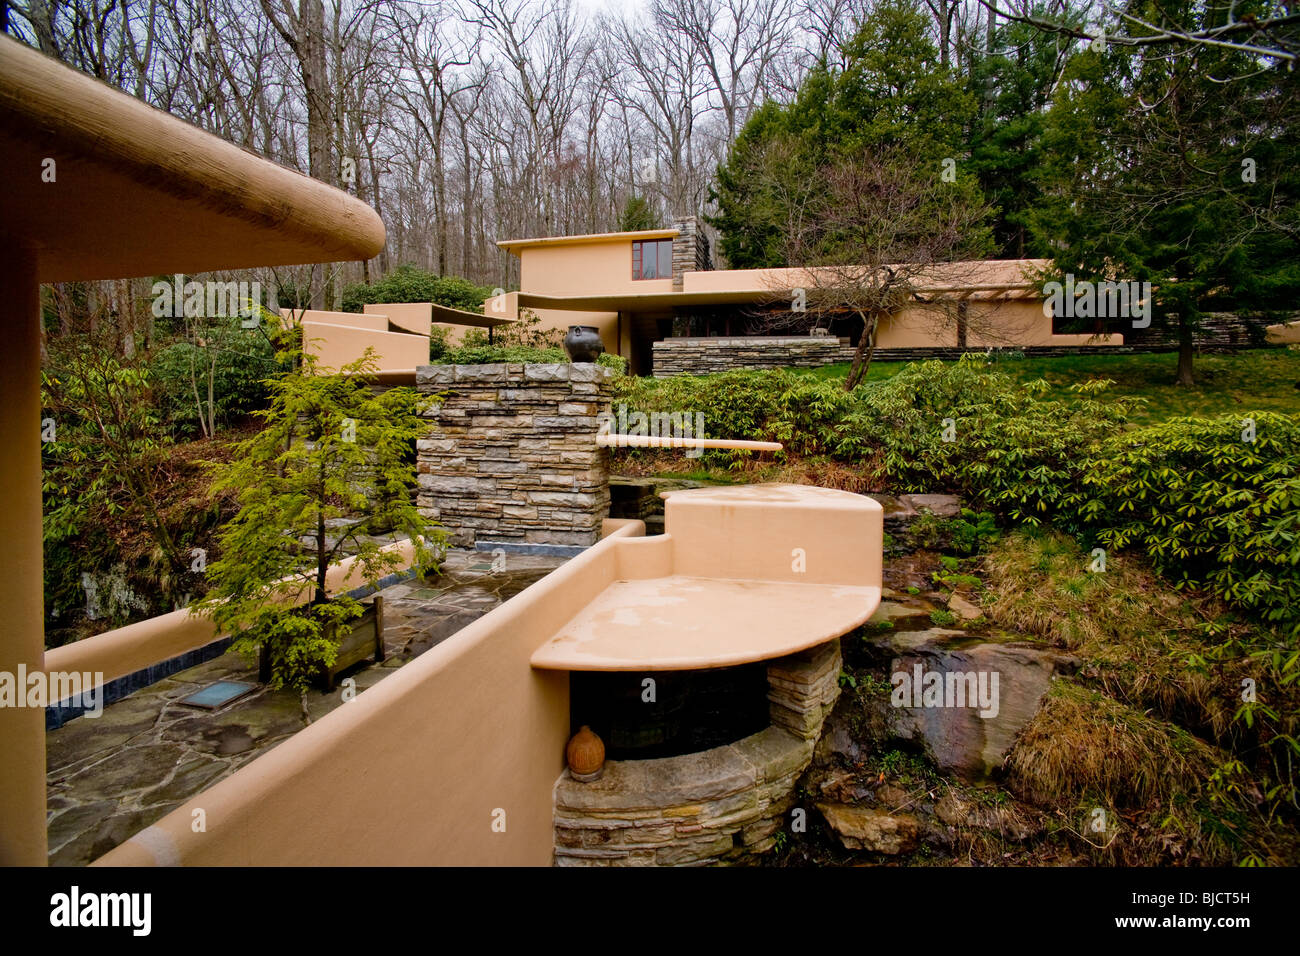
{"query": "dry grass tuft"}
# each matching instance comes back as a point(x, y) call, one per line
point(1150, 725)
point(1141, 642)
point(1146, 780)
point(1083, 743)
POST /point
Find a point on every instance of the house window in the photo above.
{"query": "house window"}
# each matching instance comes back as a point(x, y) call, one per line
point(652, 259)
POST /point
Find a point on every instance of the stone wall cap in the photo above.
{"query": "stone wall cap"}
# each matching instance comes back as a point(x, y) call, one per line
point(546, 372)
point(661, 782)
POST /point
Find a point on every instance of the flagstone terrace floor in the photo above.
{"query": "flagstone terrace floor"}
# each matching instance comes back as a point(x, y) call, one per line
point(111, 776)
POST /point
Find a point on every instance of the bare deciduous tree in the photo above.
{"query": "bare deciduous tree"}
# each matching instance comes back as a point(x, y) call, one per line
point(870, 235)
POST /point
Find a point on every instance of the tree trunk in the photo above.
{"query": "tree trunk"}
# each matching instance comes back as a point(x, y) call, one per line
point(866, 348)
point(194, 384)
point(126, 317)
point(38, 12)
point(322, 552)
point(212, 403)
point(1185, 353)
point(315, 81)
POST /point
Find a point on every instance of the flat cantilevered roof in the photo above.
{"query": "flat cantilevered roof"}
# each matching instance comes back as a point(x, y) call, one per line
point(104, 186)
point(666, 301)
point(514, 245)
point(479, 320)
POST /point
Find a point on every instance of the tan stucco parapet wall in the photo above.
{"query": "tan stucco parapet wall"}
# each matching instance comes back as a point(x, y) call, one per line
point(413, 771)
point(979, 278)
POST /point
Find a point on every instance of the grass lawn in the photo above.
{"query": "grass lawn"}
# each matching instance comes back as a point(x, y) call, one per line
point(1257, 380)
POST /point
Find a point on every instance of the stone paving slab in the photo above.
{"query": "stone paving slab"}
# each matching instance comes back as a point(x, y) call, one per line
point(111, 776)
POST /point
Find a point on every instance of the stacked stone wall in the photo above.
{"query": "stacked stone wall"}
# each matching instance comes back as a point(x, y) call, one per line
point(511, 456)
point(718, 806)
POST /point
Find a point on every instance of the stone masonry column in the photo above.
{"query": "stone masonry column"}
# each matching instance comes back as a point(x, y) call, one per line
point(690, 249)
point(511, 457)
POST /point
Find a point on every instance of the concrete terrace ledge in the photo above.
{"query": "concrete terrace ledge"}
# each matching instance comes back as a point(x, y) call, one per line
point(741, 574)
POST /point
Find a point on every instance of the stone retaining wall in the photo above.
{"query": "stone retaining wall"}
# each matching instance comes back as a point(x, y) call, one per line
point(722, 805)
point(512, 455)
point(706, 356)
point(1218, 332)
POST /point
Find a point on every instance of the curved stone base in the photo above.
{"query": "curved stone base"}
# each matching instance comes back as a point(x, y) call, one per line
point(715, 806)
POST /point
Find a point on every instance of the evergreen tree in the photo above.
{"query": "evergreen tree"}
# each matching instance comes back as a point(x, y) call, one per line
point(329, 473)
point(637, 215)
point(1014, 81)
point(893, 93)
point(1180, 170)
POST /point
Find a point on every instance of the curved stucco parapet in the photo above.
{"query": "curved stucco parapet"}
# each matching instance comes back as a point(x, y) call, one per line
point(686, 623)
point(741, 574)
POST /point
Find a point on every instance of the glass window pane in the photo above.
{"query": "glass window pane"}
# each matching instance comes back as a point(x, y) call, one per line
point(636, 260)
point(666, 259)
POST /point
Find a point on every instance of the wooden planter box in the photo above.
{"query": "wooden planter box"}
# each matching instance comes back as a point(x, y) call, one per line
point(362, 640)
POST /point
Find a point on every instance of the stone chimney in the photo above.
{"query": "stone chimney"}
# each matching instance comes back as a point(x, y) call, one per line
point(690, 249)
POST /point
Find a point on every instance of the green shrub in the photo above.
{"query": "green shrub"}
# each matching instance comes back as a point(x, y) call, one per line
point(972, 531)
point(616, 362)
point(408, 283)
point(492, 354)
point(437, 343)
point(324, 479)
point(524, 332)
point(1001, 445)
point(1207, 507)
point(806, 415)
point(237, 360)
point(103, 479)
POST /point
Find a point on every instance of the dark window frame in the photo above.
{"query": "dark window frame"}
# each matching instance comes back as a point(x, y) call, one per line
point(663, 259)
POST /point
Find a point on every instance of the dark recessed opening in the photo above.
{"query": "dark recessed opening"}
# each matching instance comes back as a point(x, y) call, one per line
point(691, 710)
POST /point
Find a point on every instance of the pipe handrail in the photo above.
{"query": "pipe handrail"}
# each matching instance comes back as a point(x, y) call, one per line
point(616, 440)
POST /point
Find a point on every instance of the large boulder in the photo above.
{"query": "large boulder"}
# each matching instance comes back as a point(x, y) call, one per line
point(965, 697)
